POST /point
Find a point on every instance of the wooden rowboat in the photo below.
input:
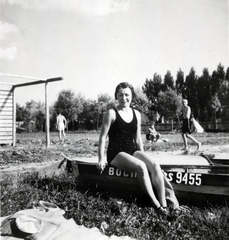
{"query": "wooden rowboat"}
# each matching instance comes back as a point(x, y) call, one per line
point(195, 179)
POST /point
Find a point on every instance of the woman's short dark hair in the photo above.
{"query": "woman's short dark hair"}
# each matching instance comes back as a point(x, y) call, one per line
point(124, 85)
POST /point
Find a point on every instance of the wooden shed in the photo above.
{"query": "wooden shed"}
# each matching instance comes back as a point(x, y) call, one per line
point(7, 114)
point(8, 108)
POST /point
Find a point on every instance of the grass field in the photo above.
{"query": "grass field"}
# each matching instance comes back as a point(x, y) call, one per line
point(22, 187)
point(174, 143)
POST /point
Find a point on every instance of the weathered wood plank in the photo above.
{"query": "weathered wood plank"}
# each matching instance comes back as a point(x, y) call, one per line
point(6, 106)
point(5, 113)
point(4, 86)
point(10, 137)
point(6, 102)
point(7, 126)
point(6, 132)
point(5, 129)
point(7, 142)
point(6, 99)
point(6, 94)
point(6, 110)
point(5, 116)
point(6, 122)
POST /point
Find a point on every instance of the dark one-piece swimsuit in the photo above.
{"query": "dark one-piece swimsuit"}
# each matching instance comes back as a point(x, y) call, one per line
point(121, 136)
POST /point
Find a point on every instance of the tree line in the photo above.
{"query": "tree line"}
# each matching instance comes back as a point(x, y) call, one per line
point(159, 99)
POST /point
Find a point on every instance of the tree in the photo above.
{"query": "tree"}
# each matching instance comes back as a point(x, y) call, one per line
point(78, 103)
point(88, 117)
point(180, 81)
point(203, 94)
point(52, 114)
point(40, 115)
point(104, 102)
point(141, 103)
point(190, 91)
point(223, 95)
point(227, 75)
point(151, 88)
point(31, 109)
point(168, 82)
point(33, 112)
point(214, 105)
point(21, 113)
point(217, 78)
point(66, 104)
point(170, 104)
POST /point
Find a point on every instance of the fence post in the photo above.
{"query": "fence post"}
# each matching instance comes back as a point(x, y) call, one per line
point(47, 115)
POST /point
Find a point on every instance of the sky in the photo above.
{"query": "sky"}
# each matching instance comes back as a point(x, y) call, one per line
point(96, 44)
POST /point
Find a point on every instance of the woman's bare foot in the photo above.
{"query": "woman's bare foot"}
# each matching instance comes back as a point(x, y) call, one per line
point(162, 211)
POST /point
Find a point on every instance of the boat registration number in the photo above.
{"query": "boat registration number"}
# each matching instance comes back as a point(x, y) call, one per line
point(185, 178)
point(177, 177)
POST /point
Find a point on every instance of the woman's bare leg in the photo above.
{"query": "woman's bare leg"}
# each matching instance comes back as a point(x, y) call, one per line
point(156, 175)
point(130, 163)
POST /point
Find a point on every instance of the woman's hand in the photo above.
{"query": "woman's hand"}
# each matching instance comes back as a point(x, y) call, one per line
point(101, 165)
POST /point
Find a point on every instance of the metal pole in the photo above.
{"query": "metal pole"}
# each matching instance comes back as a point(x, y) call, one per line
point(98, 119)
point(47, 115)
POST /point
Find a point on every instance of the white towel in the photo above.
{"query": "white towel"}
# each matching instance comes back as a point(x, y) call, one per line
point(56, 227)
point(197, 126)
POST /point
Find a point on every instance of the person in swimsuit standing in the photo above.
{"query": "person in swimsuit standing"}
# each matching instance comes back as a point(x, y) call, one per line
point(186, 127)
point(61, 123)
point(125, 149)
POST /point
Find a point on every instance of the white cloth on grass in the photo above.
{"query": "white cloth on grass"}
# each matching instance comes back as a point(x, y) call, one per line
point(55, 227)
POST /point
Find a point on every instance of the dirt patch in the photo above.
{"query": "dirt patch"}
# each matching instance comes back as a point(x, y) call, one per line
point(26, 159)
point(221, 150)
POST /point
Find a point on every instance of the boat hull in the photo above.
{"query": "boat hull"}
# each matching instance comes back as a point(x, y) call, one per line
point(190, 185)
point(195, 180)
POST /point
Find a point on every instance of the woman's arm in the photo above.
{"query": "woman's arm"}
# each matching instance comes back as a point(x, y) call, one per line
point(138, 139)
point(107, 121)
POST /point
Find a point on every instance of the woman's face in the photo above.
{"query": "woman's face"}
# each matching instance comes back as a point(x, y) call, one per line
point(124, 97)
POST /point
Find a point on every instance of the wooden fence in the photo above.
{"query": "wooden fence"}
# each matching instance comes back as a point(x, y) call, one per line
point(207, 126)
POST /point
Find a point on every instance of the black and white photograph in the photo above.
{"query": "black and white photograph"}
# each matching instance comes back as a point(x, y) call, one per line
point(114, 119)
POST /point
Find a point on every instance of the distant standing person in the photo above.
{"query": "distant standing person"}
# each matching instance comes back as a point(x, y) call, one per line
point(61, 125)
point(186, 128)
